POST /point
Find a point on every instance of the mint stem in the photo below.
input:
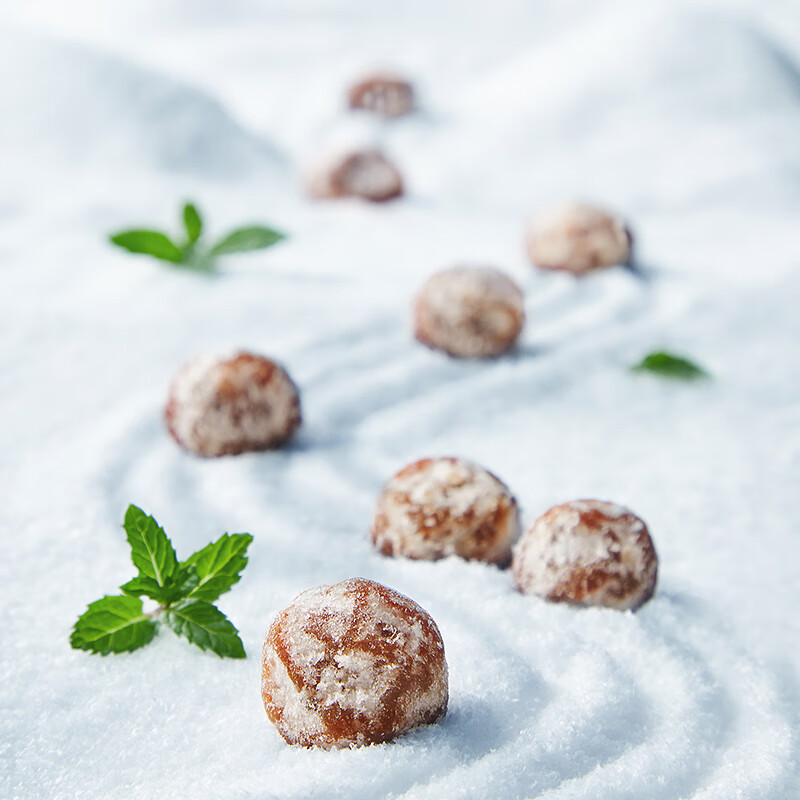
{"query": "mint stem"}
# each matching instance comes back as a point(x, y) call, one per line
point(158, 611)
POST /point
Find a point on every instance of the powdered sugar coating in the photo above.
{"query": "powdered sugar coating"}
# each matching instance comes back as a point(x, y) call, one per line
point(469, 312)
point(587, 552)
point(367, 174)
point(578, 238)
point(438, 507)
point(228, 405)
point(352, 664)
point(382, 92)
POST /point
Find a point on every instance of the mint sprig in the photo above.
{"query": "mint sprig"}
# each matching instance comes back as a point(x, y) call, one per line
point(668, 365)
point(183, 590)
point(193, 254)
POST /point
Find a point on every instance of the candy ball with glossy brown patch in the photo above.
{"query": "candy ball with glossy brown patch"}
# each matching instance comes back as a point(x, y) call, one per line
point(385, 94)
point(352, 664)
point(367, 174)
point(590, 553)
point(221, 406)
point(439, 507)
point(578, 238)
point(469, 312)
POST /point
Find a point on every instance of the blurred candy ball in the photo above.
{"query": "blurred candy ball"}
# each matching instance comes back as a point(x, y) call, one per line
point(221, 406)
point(385, 94)
point(367, 174)
point(578, 238)
point(469, 312)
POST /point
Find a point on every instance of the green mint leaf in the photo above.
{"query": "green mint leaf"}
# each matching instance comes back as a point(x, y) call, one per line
point(113, 625)
point(254, 237)
point(151, 243)
point(206, 626)
point(192, 222)
point(179, 585)
point(151, 550)
point(144, 586)
point(670, 366)
point(218, 565)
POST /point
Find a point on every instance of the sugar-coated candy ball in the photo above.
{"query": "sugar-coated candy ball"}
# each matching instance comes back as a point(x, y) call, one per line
point(439, 507)
point(469, 312)
point(221, 406)
point(578, 238)
point(589, 553)
point(385, 94)
point(352, 664)
point(367, 174)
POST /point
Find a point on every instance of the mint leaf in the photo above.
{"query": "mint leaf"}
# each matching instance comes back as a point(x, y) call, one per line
point(254, 237)
point(206, 626)
point(192, 222)
point(151, 551)
point(151, 243)
point(179, 585)
point(218, 565)
point(144, 586)
point(670, 366)
point(113, 625)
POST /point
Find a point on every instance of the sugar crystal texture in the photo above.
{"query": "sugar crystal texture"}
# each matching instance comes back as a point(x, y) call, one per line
point(352, 664)
point(588, 552)
point(684, 116)
point(438, 507)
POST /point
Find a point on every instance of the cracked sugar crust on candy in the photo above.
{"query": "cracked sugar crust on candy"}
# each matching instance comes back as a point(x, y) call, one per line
point(438, 507)
point(384, 93)
point(367, 174)
point(352, 664)
point(587, 552)
point(469, 312)
point(578, 238)
point(228, 405)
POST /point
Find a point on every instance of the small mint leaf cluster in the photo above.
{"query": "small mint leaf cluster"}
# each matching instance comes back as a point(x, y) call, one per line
point(184, 590)
point(191, 254)
point(668, 365)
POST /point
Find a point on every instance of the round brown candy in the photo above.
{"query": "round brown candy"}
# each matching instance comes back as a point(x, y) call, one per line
point(469, 312)
point(367, 174)
point(352, 664)
point(578, 238)
point(385, 94)
point(224, 406)
point(438, 507)
point(589, 553)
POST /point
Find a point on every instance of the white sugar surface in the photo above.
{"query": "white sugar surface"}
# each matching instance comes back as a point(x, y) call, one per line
point(684, 117)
